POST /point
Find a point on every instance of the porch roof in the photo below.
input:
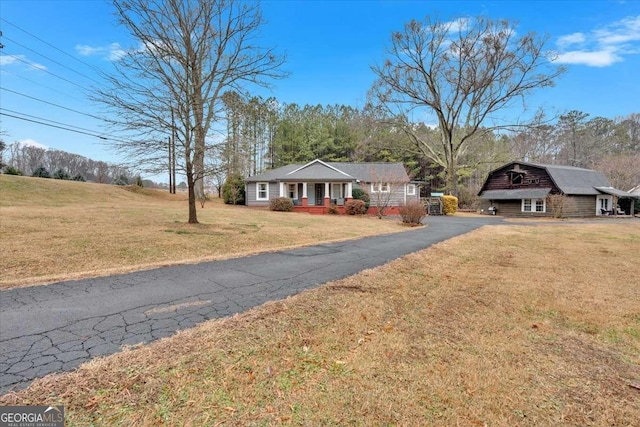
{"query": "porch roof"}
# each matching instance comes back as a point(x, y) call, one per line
point(317, 171)
point(619, 193)
point(525, 193)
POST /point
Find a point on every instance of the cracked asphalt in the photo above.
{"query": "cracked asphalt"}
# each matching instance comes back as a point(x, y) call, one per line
point(55, 328)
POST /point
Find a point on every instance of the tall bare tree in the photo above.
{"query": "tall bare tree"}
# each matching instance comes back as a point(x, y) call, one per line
point(462, 74)
point(188, 53)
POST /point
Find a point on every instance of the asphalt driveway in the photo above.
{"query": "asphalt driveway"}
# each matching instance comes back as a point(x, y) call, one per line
point(54, 328)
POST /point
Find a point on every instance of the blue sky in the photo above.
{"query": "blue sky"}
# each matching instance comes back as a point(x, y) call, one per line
point(330, 47)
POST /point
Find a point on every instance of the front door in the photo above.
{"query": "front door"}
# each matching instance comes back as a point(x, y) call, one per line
point(319, 192)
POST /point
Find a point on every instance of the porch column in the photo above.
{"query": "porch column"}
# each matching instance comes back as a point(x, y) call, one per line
point(281, 189)
point(327, 195)
point(349, 194)
point(305, 199)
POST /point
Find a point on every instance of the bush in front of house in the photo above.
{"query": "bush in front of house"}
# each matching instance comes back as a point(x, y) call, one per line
point(333, 210)
point(233, 190)
point(355, 207)
point(360, 194)
point(449, 205)
point(413, 213)
point(281, 204)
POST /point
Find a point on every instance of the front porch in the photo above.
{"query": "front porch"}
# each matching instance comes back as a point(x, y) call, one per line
point(317, 197)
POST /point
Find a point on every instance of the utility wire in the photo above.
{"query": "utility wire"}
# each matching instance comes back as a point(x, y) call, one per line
point(53, 126)
point(52, 60)
point(16, 57)
point(60, 125)
point(44, 86)
point(51, 103)
point(50, 45)
point(47, 120)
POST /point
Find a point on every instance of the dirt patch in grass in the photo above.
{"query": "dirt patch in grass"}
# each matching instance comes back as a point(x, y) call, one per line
point(55, 230)
point(504, 326)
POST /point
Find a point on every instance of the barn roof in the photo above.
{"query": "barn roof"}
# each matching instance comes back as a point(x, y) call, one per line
point(569, 180)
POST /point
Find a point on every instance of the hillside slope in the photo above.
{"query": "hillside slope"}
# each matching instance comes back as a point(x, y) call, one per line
point(25, 191)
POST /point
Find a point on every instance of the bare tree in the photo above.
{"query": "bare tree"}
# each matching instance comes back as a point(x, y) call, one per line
point(189, 52)
point(464, 73)
point(383, 188)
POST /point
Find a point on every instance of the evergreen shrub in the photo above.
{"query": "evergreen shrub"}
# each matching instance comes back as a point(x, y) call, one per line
point(281, 204)
point(449, 205)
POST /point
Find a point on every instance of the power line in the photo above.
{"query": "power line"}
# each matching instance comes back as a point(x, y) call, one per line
point(44, 86)
point(48, 120)
point(53, 126)
point(49, 44)
point(52, 60)
point(51, 103)
point(47, 71)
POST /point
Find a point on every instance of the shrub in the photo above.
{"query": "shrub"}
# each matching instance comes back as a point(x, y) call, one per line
point(360, 194)
point(355, 207)
point(121, 180)
point(281, 204)
point(560, 205)
point(333, 210)
point(449, 205)
point(61, 174)
point(10, 170)
point(41, 172)
point(78, 177)
point(413, 213)
point(233, 190)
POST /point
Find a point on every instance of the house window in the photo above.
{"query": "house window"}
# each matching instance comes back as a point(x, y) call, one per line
point(336, 191)
point(263, 191)
point(534, 205)
point(380, 187)
point(292, 191)
point(411, 189)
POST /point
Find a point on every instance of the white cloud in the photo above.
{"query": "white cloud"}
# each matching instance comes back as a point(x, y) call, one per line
point(8, 60)
point(112, 52)
point(457, 25)
point(20, 59)
point(600, 58)
point(569, 39)
point(85, 50)
point(116, 52)
point(603, 46)
point(32, 143)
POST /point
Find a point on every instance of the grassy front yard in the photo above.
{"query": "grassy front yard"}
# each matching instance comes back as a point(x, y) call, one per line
point(54, 230)
point(505, 326)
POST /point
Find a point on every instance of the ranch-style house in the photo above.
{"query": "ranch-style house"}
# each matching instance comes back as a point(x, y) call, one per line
point(315, 186)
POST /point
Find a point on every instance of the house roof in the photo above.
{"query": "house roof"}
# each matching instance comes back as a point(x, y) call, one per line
point(577, 181)
point(525, 193)
point(569, 179)
point(317, 170)
point(616, 192)
point(635, 190)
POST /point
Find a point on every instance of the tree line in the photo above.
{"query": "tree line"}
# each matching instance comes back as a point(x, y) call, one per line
point(264, 134)
point(23, 159)
point(441, 102)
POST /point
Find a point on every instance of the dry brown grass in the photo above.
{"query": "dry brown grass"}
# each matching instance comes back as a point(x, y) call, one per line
point(55, 230)
point(541, 330)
